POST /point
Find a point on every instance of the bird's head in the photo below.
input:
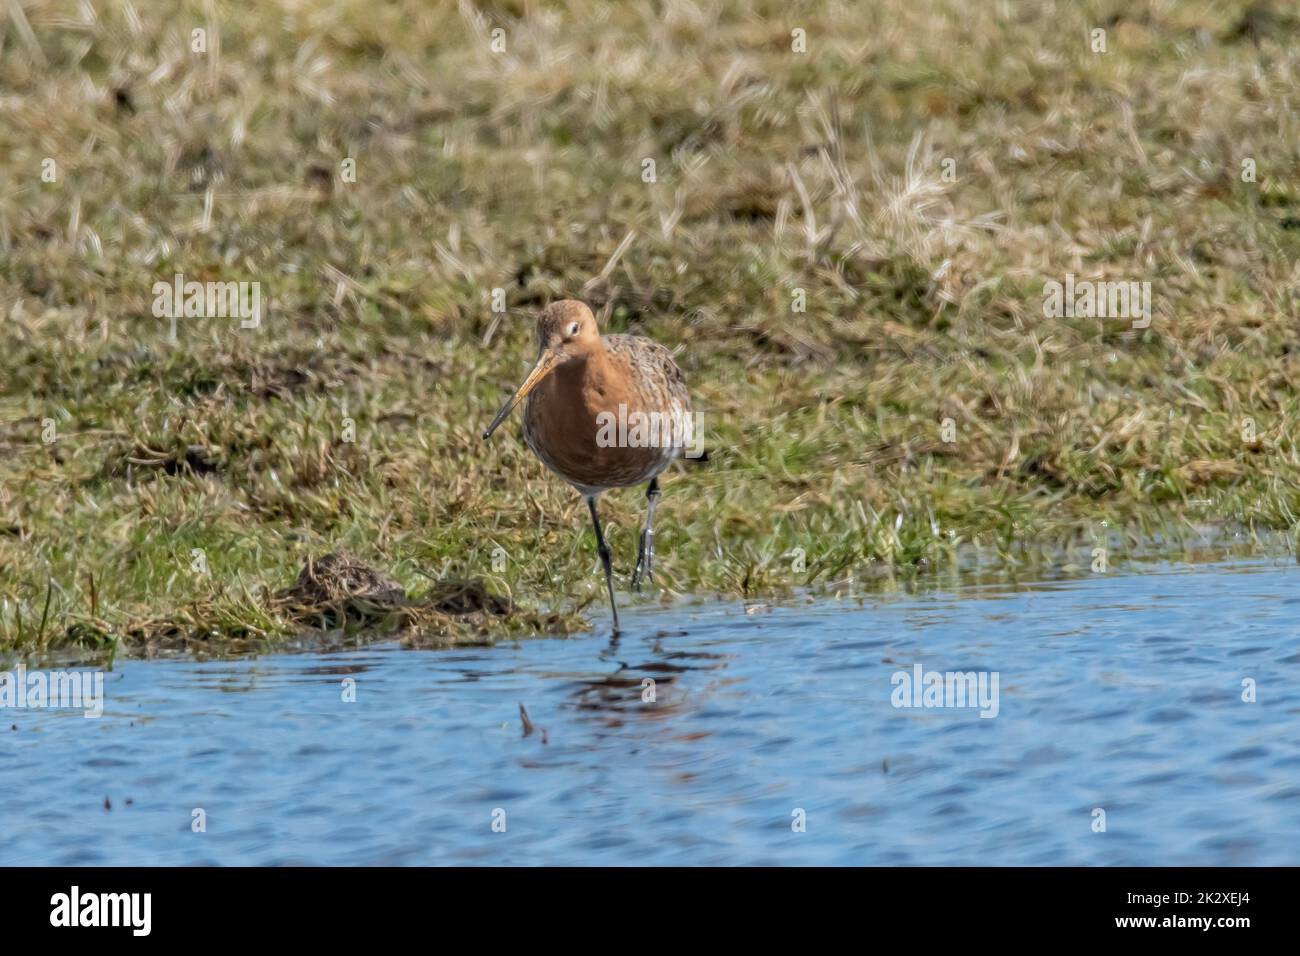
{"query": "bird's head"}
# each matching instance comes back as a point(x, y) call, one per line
point(566, 327)
point(566, 330)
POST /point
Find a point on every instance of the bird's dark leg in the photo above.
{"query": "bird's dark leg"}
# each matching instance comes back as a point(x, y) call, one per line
point(645, 557)
point(603, 550)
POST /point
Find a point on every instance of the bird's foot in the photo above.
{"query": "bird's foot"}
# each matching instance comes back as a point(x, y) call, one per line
point(645, 562)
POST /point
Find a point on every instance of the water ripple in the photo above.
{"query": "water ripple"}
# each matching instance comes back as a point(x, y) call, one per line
point(1166, 704)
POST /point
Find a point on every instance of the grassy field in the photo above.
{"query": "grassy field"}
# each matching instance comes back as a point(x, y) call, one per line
point(847, 247)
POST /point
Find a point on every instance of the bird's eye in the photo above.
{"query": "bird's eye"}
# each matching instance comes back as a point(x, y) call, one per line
point(573, 329)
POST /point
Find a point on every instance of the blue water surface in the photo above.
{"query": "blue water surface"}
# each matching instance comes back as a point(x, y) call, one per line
point(1120, 693)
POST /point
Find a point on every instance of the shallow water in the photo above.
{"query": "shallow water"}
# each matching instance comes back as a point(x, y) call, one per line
point(1118, 692)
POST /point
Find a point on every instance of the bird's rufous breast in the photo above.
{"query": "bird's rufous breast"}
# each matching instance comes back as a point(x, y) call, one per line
point(572, 420)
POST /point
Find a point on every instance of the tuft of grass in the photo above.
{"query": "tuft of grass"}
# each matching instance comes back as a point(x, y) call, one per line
point(157, 495)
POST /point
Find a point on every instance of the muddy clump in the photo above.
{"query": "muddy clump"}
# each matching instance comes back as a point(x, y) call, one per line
point(463, 598)
point(338, 601)
point(339, 591)
point(341, 577)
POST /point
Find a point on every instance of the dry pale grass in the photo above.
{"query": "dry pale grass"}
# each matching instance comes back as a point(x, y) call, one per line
point(349, 420)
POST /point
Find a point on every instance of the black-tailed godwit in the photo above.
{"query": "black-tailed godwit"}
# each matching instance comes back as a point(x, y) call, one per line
point(603, 411)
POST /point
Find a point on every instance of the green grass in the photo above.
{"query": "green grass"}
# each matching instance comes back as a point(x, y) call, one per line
point(776, 171)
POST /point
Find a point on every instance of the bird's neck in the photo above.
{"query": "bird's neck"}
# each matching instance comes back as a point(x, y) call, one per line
point(585, 386)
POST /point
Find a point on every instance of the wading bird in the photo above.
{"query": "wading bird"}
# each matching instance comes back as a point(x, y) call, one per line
point(603, 412)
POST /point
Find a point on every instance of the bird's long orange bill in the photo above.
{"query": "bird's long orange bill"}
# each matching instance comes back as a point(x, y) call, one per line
point(545, 365)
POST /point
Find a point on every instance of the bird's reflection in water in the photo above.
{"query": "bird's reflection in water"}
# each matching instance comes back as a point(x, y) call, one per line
point(648, 689)
point(241, 677)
